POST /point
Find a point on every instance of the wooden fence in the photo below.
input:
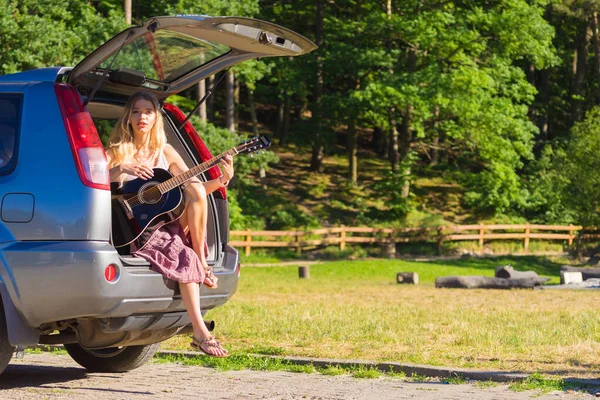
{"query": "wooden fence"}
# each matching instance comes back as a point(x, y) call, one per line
point(343, 235)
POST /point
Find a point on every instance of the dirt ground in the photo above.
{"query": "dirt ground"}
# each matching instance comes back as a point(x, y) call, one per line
point(49, 376)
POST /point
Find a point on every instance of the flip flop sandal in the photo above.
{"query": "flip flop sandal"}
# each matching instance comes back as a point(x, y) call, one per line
point(208, 346)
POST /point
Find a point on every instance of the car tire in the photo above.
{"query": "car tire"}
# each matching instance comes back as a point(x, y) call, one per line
point(6, 350)
point(114, 359)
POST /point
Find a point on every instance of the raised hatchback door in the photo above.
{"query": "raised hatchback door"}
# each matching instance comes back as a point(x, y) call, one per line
point(168, 54)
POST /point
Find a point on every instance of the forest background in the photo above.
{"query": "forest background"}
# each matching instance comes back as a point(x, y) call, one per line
point(410, 113)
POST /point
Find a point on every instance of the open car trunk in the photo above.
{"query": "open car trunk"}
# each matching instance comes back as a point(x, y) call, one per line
point(166, 55)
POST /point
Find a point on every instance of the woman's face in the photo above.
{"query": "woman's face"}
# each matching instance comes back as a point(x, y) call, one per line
point(143, 116)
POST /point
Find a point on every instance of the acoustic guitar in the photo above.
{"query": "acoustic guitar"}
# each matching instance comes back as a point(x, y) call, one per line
point(140, 207)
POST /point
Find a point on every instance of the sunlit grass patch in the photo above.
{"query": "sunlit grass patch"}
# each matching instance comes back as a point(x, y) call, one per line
point(267, 350)
point(355, 310)
point(485, 384)
point(39, 349)
point(234, 362)
point(307, 369)
point(455, 380)
point(544, 384)
point(366, 373)
point(332, 370)
point(419, 378)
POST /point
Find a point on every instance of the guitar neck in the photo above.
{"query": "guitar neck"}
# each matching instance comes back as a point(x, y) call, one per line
point(192, 172)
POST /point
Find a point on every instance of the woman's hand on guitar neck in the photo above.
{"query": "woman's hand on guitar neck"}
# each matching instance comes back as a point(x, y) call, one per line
point(139, 170)
point(227, 170)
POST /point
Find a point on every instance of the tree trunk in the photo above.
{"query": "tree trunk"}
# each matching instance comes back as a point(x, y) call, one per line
point(253, 112)
point(210, 102)
point(596, 45)
point(544, 91)
point(507, 271)
point(298, 106)
point(286, 119)
point(531, 75)
point(393, 145)
point(378, 141)
point(201, 93)
point(407, 277)
point(316, 161)
point(404, 143)
point(486, 282)
point(435, 150)
point(435, 145)
point(405, 134)
point(229, 107)
point(236, 103)
point(543, 87)
point(579, 69)
point(280, 112)
point(352, 152)
point(127, 10)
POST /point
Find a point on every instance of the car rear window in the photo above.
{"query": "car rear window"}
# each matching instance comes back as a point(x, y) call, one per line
point(166, 55)
point(10, 124)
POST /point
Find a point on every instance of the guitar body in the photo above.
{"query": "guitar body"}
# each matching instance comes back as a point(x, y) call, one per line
point(135, 221)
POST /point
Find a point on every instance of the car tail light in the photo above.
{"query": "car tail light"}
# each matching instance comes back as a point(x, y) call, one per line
point(88, 152)
point(238, 269)
point(110, 273)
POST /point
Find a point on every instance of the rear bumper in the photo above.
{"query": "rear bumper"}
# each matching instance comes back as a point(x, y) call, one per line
point(56, 281)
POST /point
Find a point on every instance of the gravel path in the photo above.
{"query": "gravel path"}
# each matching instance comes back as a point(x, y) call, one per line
point(49, 376)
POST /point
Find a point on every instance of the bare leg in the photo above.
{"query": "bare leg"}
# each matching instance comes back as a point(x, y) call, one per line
point(190, 293)
point(194, 220)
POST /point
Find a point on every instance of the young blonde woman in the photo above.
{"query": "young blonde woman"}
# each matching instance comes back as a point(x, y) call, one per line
point(137, 145)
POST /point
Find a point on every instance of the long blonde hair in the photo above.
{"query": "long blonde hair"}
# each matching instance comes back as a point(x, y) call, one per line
point(121, 147)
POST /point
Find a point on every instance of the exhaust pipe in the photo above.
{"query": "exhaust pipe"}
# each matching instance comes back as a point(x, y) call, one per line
point(59, 338)
point(210, 325)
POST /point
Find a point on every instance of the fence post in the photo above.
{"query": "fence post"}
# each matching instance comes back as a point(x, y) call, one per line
point(440, 240)
point(248, 241)
point(571, 236)
point(343, 238)
point(299, 243)
point(481, 233)
point(527, 232)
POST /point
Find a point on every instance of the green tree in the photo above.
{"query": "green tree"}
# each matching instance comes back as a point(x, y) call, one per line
point(43, 33)
point(577, 170)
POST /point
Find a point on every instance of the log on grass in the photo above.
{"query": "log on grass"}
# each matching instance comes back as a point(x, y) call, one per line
point(486, 282)
point(586, 273)
point(507, 271)
point(407, 277)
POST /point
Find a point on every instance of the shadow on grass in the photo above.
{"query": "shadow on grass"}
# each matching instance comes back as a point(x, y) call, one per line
point(539, 264)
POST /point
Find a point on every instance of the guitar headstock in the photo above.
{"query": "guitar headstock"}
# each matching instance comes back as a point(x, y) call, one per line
point(253, 145)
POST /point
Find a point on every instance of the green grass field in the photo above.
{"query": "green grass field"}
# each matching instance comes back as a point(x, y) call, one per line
point(355, 310)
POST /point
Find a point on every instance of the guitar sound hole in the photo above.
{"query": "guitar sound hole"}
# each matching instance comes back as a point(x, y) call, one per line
point(148, 194)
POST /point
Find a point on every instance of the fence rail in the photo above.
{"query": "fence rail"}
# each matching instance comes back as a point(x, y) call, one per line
point(343, 235)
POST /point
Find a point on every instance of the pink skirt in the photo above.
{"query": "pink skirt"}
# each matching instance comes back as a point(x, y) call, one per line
point(169, 252)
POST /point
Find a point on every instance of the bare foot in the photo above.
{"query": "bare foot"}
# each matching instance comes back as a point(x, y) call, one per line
point(210, 280)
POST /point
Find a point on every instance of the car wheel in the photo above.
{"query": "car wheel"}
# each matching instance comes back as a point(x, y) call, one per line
point(114, 359)
point(6, 350)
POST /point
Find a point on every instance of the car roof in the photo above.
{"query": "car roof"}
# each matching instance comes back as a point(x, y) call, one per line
point(52, 74)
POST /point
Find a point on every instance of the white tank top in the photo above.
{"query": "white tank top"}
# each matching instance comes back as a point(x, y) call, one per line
point(161, 162)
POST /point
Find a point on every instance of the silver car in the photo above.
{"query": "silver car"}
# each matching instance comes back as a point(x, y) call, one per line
point(61, 279)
